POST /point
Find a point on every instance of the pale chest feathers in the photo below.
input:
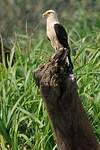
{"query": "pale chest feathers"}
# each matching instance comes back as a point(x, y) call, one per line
point(52, 36)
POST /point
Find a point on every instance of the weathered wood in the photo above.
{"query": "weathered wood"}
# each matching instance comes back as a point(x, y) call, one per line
point(58, 88)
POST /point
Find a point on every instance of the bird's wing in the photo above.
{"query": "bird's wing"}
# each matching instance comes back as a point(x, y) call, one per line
point(63, 39)
point(61, 35)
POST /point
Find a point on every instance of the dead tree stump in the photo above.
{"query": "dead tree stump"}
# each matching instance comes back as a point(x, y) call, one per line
point(58, 88)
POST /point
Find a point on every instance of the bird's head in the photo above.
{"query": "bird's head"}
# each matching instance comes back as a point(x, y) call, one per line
point(49, 13)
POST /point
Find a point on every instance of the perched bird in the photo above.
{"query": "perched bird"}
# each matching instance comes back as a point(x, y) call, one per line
point(56, 33)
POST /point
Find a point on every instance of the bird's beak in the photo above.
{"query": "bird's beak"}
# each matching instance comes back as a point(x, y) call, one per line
point(44, 15)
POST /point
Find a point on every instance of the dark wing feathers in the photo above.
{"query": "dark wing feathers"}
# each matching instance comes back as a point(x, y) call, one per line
point(61, 35)
point(63, 39)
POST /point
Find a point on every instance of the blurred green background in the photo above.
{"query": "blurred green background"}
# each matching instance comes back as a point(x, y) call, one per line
point(17, 15)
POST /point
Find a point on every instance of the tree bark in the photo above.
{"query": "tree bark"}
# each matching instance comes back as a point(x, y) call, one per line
point(58, 88)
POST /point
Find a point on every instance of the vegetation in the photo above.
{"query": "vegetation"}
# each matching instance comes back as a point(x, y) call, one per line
point(23, 118)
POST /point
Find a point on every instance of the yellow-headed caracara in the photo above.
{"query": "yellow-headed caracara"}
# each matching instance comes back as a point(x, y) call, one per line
point(56, 33)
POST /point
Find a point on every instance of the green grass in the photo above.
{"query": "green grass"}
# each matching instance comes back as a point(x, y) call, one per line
point(23, 117)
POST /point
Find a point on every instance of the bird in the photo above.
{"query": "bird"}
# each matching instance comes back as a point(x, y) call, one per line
point(56, 33)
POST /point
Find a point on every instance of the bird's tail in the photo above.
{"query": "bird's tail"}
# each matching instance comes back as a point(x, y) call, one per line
point(69, 61)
